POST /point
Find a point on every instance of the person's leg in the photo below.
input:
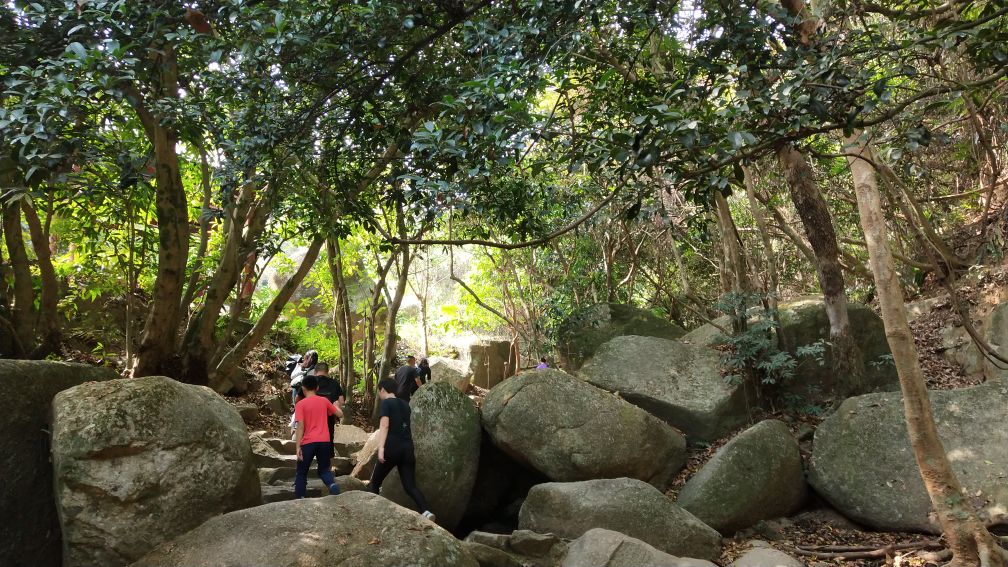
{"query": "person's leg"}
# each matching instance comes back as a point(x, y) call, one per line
point(407, 474)
point(301, 473)
point(381, 470)
point(324, 456)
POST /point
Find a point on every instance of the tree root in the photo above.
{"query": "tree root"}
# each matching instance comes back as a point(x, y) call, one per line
point(863, 552)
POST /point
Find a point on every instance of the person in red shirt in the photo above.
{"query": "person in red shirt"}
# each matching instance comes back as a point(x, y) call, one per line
point(312, 437)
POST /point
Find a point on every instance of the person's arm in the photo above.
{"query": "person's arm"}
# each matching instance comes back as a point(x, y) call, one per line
point(297, 437)
point(340, 401)
point(383, 427)
point(334, 410)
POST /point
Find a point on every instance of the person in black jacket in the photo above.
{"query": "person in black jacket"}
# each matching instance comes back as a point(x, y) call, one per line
point(331, 390)
point(395, 446)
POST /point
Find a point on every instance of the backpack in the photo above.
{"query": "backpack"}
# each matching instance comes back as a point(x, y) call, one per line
point(292, 362)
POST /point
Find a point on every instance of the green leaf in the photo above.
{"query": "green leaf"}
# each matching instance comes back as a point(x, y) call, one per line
point(77, 49)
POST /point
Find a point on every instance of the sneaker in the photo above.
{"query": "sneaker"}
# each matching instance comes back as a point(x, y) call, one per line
point(429, 515)
point(334, 488)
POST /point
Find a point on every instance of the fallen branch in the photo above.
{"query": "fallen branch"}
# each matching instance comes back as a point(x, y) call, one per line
point(863, 552)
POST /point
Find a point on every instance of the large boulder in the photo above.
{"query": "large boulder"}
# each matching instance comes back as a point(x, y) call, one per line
point(446, 437)
point(29, 533)
point(355, 529)
point(756, 476)
point(570, 430)
point(490, 362)
point(679, 383)
point(862, 462)
point(349, 439)
point(580, 335)
point(140, 461)
point(804, 323)
point(624, 505)
point(761, 554)
point(605, 548)
point(995, 328)
point(450, 370)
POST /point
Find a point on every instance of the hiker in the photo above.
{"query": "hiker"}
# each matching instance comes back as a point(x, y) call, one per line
point(331, 390)
point(305, 368)
point(423, 371)
point(312, 437)
point(395, 446)
point(406, 379)
point(542, 364)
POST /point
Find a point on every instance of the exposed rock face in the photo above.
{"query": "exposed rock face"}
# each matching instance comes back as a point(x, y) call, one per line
point(29, 532)
point(756, 476)
point(580, 335)
point(679, 383)
point(605, 548)
point(446, 435)
point(356, 529)
point(762, 555)
point(804, 323)
point(995, 327)
point(862, 462)
point(570, 430)
point(450, 370)
point(366, 458)
point(624, 505)
point(490, 362)
point(348, 439)
point(140, 461)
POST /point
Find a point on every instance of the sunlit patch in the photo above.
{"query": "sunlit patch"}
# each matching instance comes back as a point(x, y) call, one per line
point(961, 455)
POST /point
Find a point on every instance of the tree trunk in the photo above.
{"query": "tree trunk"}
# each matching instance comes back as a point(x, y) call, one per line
point(733, 271)
point(49, 300)
point(846, 360)
point(772, 288)
point(968, 539)
point(23, 308)
point(205, 221)
point(392, 312)
point(341, 315)
point(243, 227)
point(157, 345)
point(230, 361)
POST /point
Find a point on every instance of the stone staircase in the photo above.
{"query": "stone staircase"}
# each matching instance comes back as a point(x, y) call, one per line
point(276, 460)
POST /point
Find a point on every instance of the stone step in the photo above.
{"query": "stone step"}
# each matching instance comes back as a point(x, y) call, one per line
point(315, 489)
point(282, 446)
point(285, 474)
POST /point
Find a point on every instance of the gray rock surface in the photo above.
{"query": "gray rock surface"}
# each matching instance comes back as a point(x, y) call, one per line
point(765, 556)
point(605, 548)
point(803, 323)
point(348, 439)
point(490, 362)
point(355, 529)
point(580, 335)
point(624, 505)
point(488, 556)
point(570, 430)
point(29, 532)
point(450, 370)
point(140, 461)
point(677, 382)
point(863, 465)
point(446, 436)
point(756, 476)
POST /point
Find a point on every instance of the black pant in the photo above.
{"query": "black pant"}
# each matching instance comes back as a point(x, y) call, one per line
point(398, 454)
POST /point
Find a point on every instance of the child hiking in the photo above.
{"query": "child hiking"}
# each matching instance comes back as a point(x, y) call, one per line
point(395, 446)
point(312, 437)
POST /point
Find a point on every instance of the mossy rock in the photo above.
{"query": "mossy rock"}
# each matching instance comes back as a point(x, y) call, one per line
point(139, 461)
point(30, 533)
point(756, 476)
point(581, 334)
point(862, 462)
point(446, 437)
point(570, 430)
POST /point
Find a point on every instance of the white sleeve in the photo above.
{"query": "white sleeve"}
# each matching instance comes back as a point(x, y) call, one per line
point(297, 375)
